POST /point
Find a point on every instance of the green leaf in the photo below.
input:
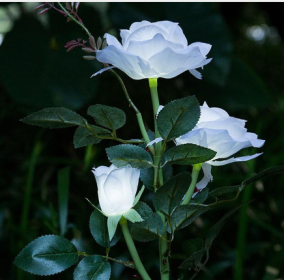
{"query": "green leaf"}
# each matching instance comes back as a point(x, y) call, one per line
point(149, 230)
point(224, 190)
point(178, 117)
point(84, 136)
point(143, 209)
point(93, 268)
point(214, 231)
point(147, 175)
point(98, 227)
point(122, 155)
point(47, 255)
point(133, 216)
point(170, 195)
point(193, 260)
point(201, 196)
point(268, 172)
point(188, 154)
point(184, 215)
point(63, 183)
point(55, 118)
point(109, 117)
point(192, 245)
point(112, 222)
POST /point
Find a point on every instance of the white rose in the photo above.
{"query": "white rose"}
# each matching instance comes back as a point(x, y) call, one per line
point(153, 50)
point(225, 135)
point(116, 191)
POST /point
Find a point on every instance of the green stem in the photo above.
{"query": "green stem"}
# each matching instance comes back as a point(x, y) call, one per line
point(194, 176)
point(153, 83)
point(132, 249)
point(163, 252)
point(74, 19)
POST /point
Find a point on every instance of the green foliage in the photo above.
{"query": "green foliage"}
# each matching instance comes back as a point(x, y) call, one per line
point(93, 268)
point(149, 230)
point(265, 173)
point(184, 215)
point(178, 117)
point(143, 209)
point(55, 118)
point(109, 117)
point(201, 196)
point(47, 255)
point(214, 231)
point(170, 195)
point(122, 155)
point(224, 190)
point(133, 216)
point(63, 184)
point(191, 246)
point(193, 260)
point(147, 175)
point(99, 230)
point(88, 136)
point(188, 154)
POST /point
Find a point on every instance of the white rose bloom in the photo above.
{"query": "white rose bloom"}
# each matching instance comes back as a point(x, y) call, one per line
point(116, 188)
point(153, 50)
point(225, 135)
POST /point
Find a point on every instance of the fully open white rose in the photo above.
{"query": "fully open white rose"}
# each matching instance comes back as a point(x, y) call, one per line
point(116, 188)
point(154, 50)
point(225, 135)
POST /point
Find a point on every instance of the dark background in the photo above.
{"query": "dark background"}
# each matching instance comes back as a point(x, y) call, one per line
point(245, 78)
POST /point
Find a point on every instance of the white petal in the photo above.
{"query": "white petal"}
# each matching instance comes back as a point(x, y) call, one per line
point(125, 62)
point(203, 47)
point(157, 140)
point(102, 70)
point(112, 41)
point(227, 161)
point(196, 74)
point(146, 49)
point(146, 69)
point(159, 110)
point(134, 180)
point(206, 178)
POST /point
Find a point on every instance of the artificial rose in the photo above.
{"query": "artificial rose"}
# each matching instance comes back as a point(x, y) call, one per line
point(116, 188)
point(225, 135)
point(153, 50)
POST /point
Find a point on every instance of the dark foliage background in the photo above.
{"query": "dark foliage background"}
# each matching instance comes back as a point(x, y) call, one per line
point(244, 78)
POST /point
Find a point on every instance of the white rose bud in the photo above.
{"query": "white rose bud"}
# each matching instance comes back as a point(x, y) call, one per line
point(116, 191)
point(223, 134)
point(153, 50)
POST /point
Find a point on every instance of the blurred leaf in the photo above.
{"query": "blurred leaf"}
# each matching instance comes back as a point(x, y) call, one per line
point(98, 227)
point(109, 117)
point(84, 137)
point(188, 154)
point(55, 118)
point(42, 74)
point(47, 255)
point(201, 196)
point(224, 190)
point(214, 231)
point(149, 230)
point(93, 268)
point(122, 155)
point(143, 209)
point(178, 117)
point(184, 215)
point(63, 183)
point(192, 245)
point(268, 172)
point(193, 260)
point(170, 195)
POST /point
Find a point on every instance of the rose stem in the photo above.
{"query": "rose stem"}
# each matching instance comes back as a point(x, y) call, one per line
point(158, 181)
point(194, 176)
point(132, 249)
